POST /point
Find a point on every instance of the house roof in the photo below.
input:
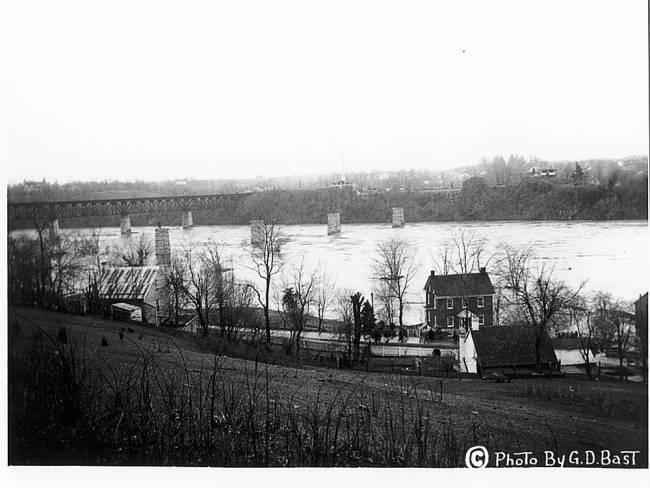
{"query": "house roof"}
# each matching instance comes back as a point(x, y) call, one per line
point(131, 283)
point(566, 343)
point(508, 346)
point(454, 285)
point(126, 306)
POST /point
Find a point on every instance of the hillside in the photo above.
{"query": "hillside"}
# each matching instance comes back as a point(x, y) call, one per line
point(152, 398)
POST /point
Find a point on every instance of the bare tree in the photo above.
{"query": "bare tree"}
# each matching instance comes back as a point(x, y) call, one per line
point(468, 252)
point(23, 270)
point(199, 286)
point(231, 299)
point(136, 254)
point(616, 320)
point(266, 258)
point(297, 301)
point(583, 317)
point(175, 276)
point(357, 301)
point(44, 261)
point(323, 297)
point(605, 330)
point(344, 305)
point(442, 260)
point(537, 296)
point(384, 297)
point(395, 265)
point(65, 267)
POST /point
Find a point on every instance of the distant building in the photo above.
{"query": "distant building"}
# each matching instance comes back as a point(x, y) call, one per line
point(504, 350)
point(542, 172)
point(459, 301)
point(343, 183)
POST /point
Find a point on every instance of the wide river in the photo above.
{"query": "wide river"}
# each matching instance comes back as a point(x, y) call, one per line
point(605, 255)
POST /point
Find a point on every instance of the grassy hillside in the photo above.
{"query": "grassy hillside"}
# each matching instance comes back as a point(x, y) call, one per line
point(84, 391)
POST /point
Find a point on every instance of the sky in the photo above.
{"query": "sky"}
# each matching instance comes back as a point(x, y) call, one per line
point(189, 89)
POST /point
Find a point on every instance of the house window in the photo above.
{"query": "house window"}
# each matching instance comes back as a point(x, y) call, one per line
point(434, 324)
point(464, 302)
point(433, 299)
point(450, 321)
point(450, 303)
point(481, 319)
point(428, 300)
point(479, 302)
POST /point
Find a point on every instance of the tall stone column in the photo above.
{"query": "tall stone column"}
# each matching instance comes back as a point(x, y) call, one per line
point(398, 217)
point(187, 219)
point(163, 261)
point(333, 223)
point(125, 224)
point(163, 248)
point(54, 229)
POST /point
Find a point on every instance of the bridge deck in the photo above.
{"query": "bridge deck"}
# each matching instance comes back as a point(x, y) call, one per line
point(26, 211)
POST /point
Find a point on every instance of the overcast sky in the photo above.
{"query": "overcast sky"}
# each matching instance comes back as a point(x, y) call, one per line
point(160, 90)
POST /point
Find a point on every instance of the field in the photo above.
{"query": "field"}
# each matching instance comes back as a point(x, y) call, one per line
point(84, 390)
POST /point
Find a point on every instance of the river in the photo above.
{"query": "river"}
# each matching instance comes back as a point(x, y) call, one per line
point(605, 255)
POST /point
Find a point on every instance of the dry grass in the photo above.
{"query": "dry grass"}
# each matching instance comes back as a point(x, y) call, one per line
point(150, 398)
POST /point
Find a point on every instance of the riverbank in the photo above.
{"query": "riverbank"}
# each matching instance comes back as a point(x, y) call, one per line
point(531, 200)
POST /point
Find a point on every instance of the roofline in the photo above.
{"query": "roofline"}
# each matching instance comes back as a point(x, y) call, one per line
point(466, 296)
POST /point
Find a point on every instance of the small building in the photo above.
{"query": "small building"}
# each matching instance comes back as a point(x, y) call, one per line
point(125, 312)
point(542, 172)
point(138, 286)
point(505, 350)
point(570, 354)
point(456, 301)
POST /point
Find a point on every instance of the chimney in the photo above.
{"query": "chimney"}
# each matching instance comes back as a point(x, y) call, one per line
point(483, 270)
point(433, 272)
point(163, 251)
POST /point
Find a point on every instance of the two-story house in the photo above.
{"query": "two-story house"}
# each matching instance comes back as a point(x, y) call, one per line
point(456, 300)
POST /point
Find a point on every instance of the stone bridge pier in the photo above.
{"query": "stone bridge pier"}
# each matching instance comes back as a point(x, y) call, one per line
point(398, 216)
point(187, 221)
point(333, 223)
point(53, 228)
point(125, 224)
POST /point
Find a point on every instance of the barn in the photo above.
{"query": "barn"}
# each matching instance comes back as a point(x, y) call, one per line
point(139, 286)
point(504, 349)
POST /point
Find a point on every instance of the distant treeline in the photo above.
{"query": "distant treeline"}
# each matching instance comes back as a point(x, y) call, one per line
point(532, 199)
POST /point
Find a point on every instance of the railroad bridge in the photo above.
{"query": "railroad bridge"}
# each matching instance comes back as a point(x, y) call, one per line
point(124, 207)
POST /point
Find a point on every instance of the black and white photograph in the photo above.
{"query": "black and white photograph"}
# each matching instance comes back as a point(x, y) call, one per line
point(325, 234)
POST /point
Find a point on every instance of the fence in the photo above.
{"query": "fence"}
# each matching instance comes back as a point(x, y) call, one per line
point(391, 350)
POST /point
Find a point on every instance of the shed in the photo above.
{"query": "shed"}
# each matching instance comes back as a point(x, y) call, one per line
point(142, 286)
point(504, 348)
point(569, 352)
point(126, 312)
